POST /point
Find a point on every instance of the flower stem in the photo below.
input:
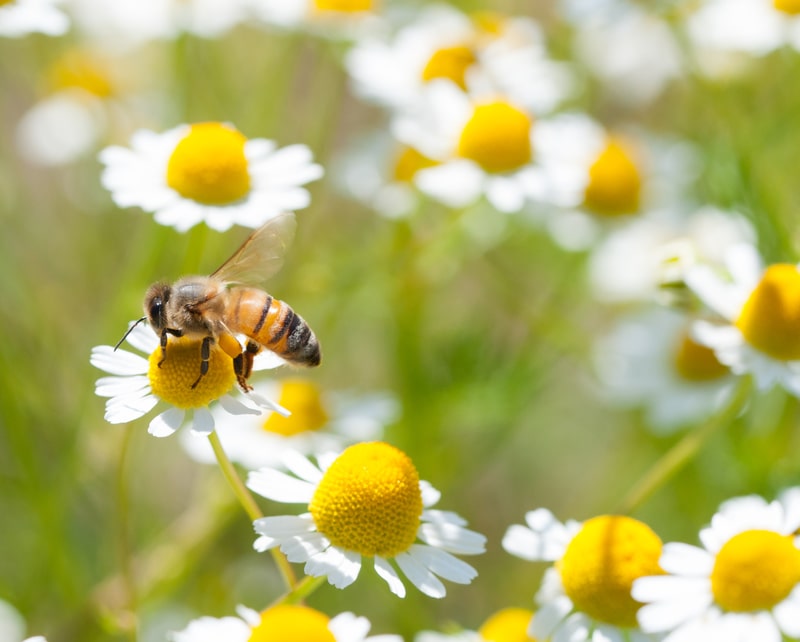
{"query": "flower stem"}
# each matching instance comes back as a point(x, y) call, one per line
point(301, 590)
point(682, 452)
point(250, 506)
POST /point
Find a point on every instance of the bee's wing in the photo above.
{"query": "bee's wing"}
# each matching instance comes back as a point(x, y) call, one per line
point(261, 255)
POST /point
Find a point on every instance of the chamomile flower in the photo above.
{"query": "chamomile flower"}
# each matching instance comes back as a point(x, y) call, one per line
point(22, 17)
point(367, 502)
point(282, 622)
point(586, 596)
point(208, 172)
point(480, 146)
point(759, 311)
point(12, 624)
point(651, 361)
point(319, 422)
point(138, 384)
point(506, 625)
point(743, 584)
point(507, 54)
point(328, 18)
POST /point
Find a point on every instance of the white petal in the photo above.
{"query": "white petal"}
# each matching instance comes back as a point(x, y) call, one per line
point(666, 615)
point(456, 184)
point(120, 410)
point(430, 496)
point(119, 362)
point(280, 487)
point(202, 421)
point(443, 564)
point(787, 614)
point(347, 627)
point(684, 559)
point(720, 296)
point(302, 549)
point(208, 629)
point(452, 538)
point(420, 576)
point(116, 386)
point(505, 194)
point(167, 422)
point(300, 465)
point(385, 570)
point(340, 567)
point(547, 618)
point(235, 407)
point(665, 588)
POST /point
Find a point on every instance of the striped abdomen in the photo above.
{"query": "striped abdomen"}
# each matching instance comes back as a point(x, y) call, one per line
point(273, 324)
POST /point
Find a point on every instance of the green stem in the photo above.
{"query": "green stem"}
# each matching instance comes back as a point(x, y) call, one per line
point(250, 506)
point(682, 452)
point(301, 590)
point(129, 620)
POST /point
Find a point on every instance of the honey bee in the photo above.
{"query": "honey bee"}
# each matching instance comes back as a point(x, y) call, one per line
point(217, 307)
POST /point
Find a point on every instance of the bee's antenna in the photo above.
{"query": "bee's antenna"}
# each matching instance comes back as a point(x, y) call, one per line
point(125, 336)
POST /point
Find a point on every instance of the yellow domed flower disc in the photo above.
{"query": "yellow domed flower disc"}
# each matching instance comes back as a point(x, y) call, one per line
point(497, 137)
point(303, 399)
point(489, 23)
point(615, 182)
point(79, 70)
point(4, 2)
point(507, 625)
point(601, 563)
point(696, 362)
point(755, 570)
point(792, 7)
point(292, 623)
point(173, 380)
point(770, 319)
point(369, 500)
point(450, 63)
point(408, 162)
point(344, 6)
point(209, 165)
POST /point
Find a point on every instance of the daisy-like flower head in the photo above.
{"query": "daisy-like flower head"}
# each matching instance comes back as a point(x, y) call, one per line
point(586, 595)
point(140, 383)
point(504, 53)
point(761, 311)
point(319, 422)
point(367, 502)
point(21, 17)
point(282, 622)
point(328, 18)
point(506, 625)
point(651, 360)
point(742, 584)
point(208, 172)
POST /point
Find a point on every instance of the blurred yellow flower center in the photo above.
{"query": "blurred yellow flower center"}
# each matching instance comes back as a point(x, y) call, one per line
point(754, 571)
point(408, 162)
point(696, 362)
point(344, 6)
point(601, 563)
point(209, 166)
point(450, 63)
point(490, 23)
point(2, 2)
point(292, 623)
point(173, 380)
point(497, 137)
point(615, 183)
point(792, 7)
point(369, 500)
point(303, 399)
point(507, 625)
point(80, 70)
point(770, 319)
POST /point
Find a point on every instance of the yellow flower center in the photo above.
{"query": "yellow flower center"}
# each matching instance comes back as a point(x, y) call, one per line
point(507, 625)
point(770, 319)
point(497, 137)
point(696, 362)
point(451, 63)
point(344, 6)
point(408, 162)
point(209, 166)
point(303, 399)
point(369, 500)
point(173, 380)
point(79, 70)
point(292, 623)
point(792, 7)
point(489, 23)
point(615, 183)
point(601, 563)
point(754, 571)
point(3, 2)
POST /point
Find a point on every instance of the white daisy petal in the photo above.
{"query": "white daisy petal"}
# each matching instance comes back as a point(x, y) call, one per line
point(121, 410)
point(452, 538)
point(167, 422)
point(116, 386)
point(430, 496)
point(118, 362)
point(302, 549)
point(547, 618)
point(685, 559)
point(235, 407)
point(420, 576)
point(340, 567)
point(202, 421)
point(280, 487)
point(348, 627)
point(787, 614)
point(390, 576)
point(443, 564)
point(207, 629)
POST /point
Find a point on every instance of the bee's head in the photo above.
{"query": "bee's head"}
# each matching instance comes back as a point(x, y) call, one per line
point(155, 302)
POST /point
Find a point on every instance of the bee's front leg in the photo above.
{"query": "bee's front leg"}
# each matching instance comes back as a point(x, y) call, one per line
point(175, 333)
point(205, 355)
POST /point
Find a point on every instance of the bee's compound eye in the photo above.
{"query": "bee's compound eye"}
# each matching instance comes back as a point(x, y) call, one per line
point(155, 310)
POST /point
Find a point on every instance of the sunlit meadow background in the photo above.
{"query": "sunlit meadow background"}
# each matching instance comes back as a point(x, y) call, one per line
point(475, 320)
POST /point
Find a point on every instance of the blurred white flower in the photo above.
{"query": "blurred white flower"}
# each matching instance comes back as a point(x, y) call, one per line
point(346, 19)
point(12, 624)
point(22, 17)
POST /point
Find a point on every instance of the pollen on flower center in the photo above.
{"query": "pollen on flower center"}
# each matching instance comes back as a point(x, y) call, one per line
point(173, 380)
point(209, 165)
point(369, 500)
point(615, 183)
point(755, 570)
point(303, 399)
point(497, 137)
point(78, 70)
point(792, 7)
point(450, 63)
point(288, 622)
point(601, 563)
point(696, 362)
point(770, 319)
point(507, 625)
point(408, 162)
point(344, 6)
